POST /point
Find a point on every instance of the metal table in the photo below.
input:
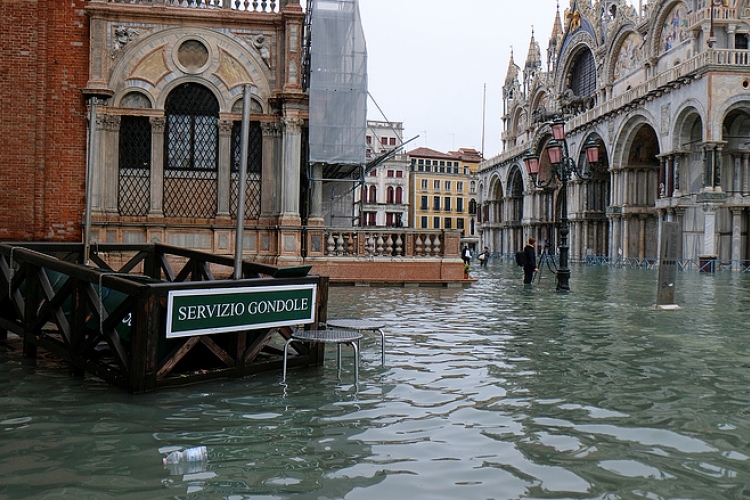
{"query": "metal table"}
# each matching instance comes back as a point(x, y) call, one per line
point(363, 325)
point(332, 336)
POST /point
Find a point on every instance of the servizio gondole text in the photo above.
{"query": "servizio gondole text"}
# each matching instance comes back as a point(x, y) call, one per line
point(204, 312)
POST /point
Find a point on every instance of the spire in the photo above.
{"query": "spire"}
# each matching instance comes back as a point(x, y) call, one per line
point(512, 75)
point(557, 30)
point(555, 41)
point(511, 87)
point(534, 57)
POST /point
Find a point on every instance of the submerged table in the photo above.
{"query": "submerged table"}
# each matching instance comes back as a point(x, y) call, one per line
point(363, 325)
point(333, 336)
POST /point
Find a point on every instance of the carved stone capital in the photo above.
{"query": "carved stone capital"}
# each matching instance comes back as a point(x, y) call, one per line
point(158, 123)
point(225, 127)
point(271, 129)
point(293, 125)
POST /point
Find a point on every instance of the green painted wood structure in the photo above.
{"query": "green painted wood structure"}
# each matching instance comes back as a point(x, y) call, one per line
point(110, 321)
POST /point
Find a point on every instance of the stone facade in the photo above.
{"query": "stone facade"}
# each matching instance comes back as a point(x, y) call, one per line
point(665, 90)
point(165, 83)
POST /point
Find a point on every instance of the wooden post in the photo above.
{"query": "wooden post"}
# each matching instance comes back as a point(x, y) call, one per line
point(31, 302)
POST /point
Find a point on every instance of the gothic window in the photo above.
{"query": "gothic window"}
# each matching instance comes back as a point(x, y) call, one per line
point(254, 168)
point(583, 75)
point(134, 185)
point(191, 152)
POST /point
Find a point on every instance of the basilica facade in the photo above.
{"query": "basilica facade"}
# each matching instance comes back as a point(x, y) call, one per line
point(663, 88)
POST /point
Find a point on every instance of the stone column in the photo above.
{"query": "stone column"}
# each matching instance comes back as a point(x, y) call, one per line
point(290, 180)
point(316, 196)
point(272, 171)
point(98, 172)
point(158, 126)
point(660, 218)
point(745, 174)
point(225, 168)
point(736, 186)
point(625, 236)
point(641, 237)
point(616, 250)
point(736, 237)
point(111, 177)
point(709, 229)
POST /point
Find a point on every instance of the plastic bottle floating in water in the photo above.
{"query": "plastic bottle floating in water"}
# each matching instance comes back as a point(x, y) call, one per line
point(189, 456)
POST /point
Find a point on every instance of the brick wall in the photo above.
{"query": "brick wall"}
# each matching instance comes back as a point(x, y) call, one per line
point(44, 63)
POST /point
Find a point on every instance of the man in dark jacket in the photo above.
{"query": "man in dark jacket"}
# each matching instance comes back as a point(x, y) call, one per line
point(529, 267)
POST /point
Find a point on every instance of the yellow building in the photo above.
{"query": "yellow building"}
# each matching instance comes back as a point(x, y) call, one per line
point(442, 191)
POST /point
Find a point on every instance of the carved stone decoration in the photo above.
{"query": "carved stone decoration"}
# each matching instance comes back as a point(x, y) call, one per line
point(665, 120)
point(123, 36)
point(192, 54)
point(262, 44)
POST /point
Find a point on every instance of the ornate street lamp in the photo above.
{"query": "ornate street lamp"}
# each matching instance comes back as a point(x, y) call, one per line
point(563, 167)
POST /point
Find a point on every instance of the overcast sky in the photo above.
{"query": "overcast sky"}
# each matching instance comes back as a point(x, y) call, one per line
point(429, 60)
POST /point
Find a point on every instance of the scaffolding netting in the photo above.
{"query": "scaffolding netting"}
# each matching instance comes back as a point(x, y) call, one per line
point(338, 87)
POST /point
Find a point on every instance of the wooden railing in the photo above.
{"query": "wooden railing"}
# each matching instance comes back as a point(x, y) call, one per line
point(110, 321)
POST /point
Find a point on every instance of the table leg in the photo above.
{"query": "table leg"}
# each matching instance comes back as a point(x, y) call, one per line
point(382, 345)
point(286, 349)
point(356, 363)
point(338, 357)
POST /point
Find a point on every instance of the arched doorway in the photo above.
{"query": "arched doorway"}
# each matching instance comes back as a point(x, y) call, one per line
point(514, 209)
point(638, 188)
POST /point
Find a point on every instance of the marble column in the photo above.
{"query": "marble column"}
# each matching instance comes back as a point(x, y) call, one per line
point(158, 126)
point(271, 170)
point(737, 238)
point(291, 158)
point(709, 229)
point(225, 167)
point(111, 177)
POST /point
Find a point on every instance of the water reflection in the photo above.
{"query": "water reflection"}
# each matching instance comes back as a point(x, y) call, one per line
point(495, 391)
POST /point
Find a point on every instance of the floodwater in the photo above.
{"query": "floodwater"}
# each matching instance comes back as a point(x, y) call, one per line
point(496, 391)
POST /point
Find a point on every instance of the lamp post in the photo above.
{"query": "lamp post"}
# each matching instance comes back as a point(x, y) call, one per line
point(563, 167)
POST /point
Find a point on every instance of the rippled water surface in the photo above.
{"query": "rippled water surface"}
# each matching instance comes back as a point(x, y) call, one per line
point(496, 391)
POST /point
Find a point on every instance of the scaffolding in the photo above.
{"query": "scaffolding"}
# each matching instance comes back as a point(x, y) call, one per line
point(338, 89)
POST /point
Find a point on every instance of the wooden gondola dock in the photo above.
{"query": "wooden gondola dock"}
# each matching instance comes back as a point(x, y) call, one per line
point(160, 318)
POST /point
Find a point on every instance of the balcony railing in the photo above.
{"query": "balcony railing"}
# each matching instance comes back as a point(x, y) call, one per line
point(721, 14)
point(388, 242)
point(243, 5)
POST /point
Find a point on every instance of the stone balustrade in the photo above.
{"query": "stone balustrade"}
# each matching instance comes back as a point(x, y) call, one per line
point(363, 242)
point(720, 13)
point(241, 5)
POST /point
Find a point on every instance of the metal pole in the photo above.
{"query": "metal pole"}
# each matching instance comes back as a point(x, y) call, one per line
point(563, 273)
point(240, 232)
point(89, 179)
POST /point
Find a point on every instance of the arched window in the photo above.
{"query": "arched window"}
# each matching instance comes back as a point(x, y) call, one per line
point(390, 195)
point(254, 168)
point(134, 188)
point(373, 195)
point(191, 152)
point(583, 75)
point(399, 196)
point(472, 207)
